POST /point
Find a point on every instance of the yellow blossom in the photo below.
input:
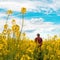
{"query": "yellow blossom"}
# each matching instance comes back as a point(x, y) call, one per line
point(15, 28)
point(8, 31)
point(25, 57)
point(17, 34)
point(1, 46)
point(9, 12)
point(23, 10)
point(13, 22)
point(4, 31)
point(5, 26)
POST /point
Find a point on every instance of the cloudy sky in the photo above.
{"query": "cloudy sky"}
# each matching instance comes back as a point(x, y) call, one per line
point(42, 16)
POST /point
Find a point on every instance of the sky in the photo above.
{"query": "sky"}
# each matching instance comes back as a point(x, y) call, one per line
point(42, 16)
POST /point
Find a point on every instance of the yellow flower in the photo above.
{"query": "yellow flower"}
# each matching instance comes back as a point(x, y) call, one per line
point(5, 26)
point(13, 22)
point(4, 31)
point(45, 57)
point(9, 31)
point(17, 33)
point(23, 10)
point(17, 56)
point(58, 52)
point(25, 57)
point(30, 50)
point(15, 28)
point(9, 12)
point(1, 46)
point(52, 57)
point(55, 36)
point(0, 53)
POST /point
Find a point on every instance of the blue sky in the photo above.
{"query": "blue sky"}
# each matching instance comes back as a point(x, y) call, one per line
point(42, 16)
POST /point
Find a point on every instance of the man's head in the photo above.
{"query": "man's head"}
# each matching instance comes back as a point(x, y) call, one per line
point(38, 35)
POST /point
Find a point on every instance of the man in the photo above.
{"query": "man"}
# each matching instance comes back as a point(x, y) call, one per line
point(38, 40)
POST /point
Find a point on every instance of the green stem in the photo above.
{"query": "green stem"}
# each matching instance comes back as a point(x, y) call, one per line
point(7, 19)
point(22, 24)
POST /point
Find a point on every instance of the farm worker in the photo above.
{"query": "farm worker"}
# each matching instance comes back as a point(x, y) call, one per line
point(38, 40)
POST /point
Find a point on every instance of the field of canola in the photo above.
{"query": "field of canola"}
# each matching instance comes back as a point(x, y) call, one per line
point(15, 48)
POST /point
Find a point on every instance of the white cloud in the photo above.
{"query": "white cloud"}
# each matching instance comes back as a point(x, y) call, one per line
point(37, 21)
point(17, 5)
point(2, 14)
point(34, 5)
point(44, 28)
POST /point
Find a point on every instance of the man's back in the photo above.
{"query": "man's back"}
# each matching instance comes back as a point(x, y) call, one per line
point(38, 40)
